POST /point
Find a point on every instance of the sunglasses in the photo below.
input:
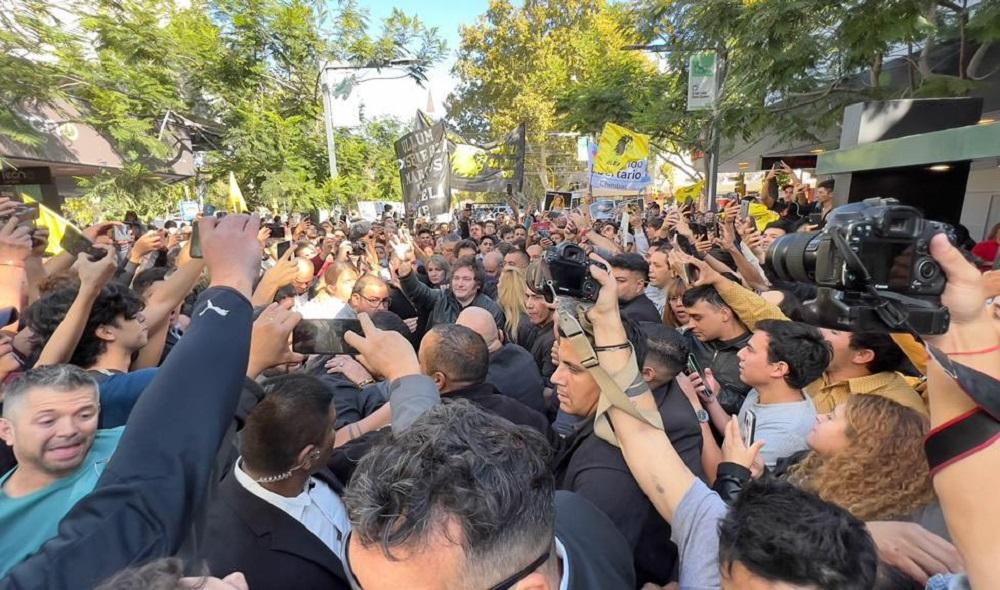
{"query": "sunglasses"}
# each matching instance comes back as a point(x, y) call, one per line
point(507, 584)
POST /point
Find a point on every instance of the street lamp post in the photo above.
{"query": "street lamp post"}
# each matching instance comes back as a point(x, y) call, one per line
point(328, 88)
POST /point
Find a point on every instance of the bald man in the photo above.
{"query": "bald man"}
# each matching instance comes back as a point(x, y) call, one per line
point(457, 359)
point(512, 369)
point(493, 263)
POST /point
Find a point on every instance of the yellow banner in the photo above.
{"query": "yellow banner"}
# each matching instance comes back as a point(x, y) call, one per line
point(237, 204)
point(689, 192)
point(618, 148)
point(762, 215)
point(53, 221)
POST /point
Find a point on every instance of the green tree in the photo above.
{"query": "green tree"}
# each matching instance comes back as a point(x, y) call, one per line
point(515, 62)
point(786, 66)
point(250, 68)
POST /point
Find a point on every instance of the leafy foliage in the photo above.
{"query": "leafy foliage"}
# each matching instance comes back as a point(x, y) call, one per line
point(249, 68)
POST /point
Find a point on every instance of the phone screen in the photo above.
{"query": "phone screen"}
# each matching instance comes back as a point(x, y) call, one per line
point(749, 427)
point(74, 242)
point(744, 209)
point(694, 367)
point(195, 240)
point(324, 336)
point(283, 247)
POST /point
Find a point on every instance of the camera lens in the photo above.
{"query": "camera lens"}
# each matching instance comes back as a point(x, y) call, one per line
point(789, 258)
point(927, 269)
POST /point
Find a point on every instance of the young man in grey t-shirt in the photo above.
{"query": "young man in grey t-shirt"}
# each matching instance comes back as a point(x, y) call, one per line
point(779, 360)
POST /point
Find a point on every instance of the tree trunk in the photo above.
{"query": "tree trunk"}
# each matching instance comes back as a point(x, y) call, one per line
point(876, 71)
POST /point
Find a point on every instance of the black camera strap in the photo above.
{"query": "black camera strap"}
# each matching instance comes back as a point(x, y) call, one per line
point(972, 431)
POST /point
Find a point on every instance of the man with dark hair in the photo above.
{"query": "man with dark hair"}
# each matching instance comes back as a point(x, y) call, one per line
point(778, 361)
point(428, 511)
point(457, 360)
point(778, 533)
point(511, 369)
point(632, 273)
point(666, 358)
point(370, 295)
point(715, 338)
point(441, 306)
point(516, 258)
point(537, 334)
point(279, 512)
point(823, 203)
point(467, 248)
point(506, 234)
point(863, 363)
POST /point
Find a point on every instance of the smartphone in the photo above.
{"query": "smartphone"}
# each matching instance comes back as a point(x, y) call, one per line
point(277, 230)
point(695, 367)
point(74, 242)
point(749, 427)
point(744, 209)
point(283, 247)
point(209, 210)
point(814, 218)
point(686, 246)
point(324, 336)
point(195, 251)
point(120, 233)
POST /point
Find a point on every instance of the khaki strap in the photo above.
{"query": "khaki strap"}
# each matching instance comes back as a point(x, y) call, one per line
point(613, 387)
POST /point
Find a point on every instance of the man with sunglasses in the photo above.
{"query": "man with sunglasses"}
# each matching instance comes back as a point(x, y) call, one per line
point(427, 511)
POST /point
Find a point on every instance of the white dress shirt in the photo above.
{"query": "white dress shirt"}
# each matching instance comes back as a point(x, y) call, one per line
point(318, 508)
point(564, 558)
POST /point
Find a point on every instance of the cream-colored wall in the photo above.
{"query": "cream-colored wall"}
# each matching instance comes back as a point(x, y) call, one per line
point(984, 182)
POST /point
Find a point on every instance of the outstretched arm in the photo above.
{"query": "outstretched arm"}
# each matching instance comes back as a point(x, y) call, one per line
point(153, 485)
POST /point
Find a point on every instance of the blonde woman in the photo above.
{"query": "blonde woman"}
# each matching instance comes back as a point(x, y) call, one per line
point(510, 297)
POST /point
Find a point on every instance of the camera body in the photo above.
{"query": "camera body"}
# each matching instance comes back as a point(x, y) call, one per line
point(568, 269)
point(869, 253)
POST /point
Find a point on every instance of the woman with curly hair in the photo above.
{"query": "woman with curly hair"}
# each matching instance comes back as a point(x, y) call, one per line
point(510, 297)
point(866, 456)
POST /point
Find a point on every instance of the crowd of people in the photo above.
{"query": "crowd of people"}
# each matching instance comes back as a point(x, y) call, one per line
point(687, 424)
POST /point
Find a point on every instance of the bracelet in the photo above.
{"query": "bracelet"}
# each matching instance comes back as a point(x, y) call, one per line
point(621, 346)
point(13, 263)
point(974, 352)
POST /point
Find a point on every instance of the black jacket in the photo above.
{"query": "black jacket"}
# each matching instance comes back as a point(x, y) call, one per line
point(597, 471)
point(733, 477)
point(512, 370)
point(157, 480)
point(486, 397)
point(720, 356)
point(641, 309)
point(439, 306)
point(599, 557)
point(246, 534)
point(538, 340)
point(681, 424)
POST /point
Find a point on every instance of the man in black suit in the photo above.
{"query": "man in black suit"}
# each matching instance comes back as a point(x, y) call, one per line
point(512, 369)
point(631, 271)
point(457, 360)
point(463, 499)
point(279, 513)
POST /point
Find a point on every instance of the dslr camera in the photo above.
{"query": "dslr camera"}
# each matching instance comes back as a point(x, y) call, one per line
point(873, 267)
point(568, 270)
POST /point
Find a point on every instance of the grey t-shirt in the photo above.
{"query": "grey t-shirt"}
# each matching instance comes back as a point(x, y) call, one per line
point(783, 426)
point(695, 531)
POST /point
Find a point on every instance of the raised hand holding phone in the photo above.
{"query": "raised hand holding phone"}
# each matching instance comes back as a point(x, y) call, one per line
point(735, 449)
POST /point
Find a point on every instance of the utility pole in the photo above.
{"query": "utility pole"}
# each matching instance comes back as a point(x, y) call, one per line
point(328, 88)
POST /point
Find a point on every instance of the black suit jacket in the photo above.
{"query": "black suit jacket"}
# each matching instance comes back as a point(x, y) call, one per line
point(486, 397)
point(641, 309)
point(599, 558)
point(273, 550)
point(513, 372)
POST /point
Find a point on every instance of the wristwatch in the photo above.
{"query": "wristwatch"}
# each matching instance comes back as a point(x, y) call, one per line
point(702, 415)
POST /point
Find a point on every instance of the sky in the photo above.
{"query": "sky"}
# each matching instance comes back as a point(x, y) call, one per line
point(401, 98)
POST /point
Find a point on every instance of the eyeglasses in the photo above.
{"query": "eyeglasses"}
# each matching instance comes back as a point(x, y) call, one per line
point(376, 301)
point(504, 585)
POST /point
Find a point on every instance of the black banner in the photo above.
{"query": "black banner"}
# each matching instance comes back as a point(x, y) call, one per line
point(496, 167)
point(423, 171)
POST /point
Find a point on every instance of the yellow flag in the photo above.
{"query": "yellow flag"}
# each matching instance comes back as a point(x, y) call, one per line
point(762, 215)
point(237, 204)
point(689, 192)
point(55, 223)
point(618, 148)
